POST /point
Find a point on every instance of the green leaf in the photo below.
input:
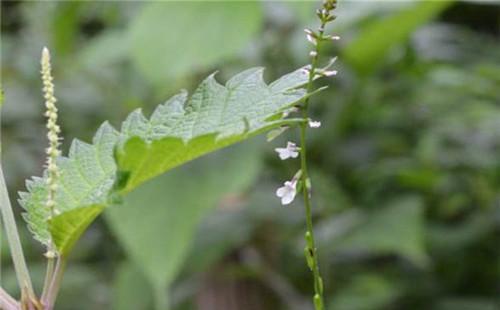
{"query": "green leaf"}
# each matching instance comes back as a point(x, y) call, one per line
point(67, 228)
point(170, 39)
point(366, 292)
point(131, 289)
point(373, 43)
point(107, 48)
point(172, 206)
point(178, 131)
point(395, 229)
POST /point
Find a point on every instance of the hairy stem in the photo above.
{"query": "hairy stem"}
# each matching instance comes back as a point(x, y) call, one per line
point(310, 251)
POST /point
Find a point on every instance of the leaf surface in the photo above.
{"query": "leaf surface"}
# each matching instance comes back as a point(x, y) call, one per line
point(373, 43)
point(178, 131)
point(157, 221)
point(222, 28)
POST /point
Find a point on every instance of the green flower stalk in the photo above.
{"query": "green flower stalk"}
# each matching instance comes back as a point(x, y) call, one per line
point(301, 182)
point(316, 38)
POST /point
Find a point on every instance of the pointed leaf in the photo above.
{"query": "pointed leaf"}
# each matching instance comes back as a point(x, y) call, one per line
point(178, 131)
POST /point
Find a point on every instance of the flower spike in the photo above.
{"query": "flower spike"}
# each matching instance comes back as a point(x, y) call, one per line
point(53, 131)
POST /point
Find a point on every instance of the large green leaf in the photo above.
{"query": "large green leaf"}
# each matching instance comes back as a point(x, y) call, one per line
point(365, 292)
point(170, 39)
point(131, 289)
point(178, 131)
point(372, 44)
point(397, 228)
point(157, 221)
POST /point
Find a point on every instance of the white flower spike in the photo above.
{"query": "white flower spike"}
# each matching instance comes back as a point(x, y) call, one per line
point(290, 151)
point(287, 192)
point(53, 132)
point(314, 124)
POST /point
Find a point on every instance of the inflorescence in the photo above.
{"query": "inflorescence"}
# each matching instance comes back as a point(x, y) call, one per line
point(53, 132)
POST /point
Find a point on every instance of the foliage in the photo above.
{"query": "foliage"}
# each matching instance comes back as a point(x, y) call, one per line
point(408, 130)
point(232, 26)
point(177, 218)
point(370, 46)
point(178, 131)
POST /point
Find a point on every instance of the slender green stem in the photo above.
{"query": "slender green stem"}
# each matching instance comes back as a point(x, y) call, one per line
point(9, 222)
point(49, 274)
point(16, 249)
point(310, 251)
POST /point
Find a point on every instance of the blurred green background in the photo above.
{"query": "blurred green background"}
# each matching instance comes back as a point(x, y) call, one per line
point(406, 166)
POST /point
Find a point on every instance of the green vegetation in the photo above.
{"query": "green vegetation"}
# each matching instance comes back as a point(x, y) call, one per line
point(405, 166)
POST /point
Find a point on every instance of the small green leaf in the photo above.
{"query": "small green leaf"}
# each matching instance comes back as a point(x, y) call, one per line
point(309, 258)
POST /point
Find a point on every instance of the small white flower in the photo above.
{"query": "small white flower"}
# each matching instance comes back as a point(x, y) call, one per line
point(328, 73)
point(287, 192)
point(314, 124)
point(334, 38)
point(311, 39)
point(313, 53)
point(311, 36)
point(291, 151)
